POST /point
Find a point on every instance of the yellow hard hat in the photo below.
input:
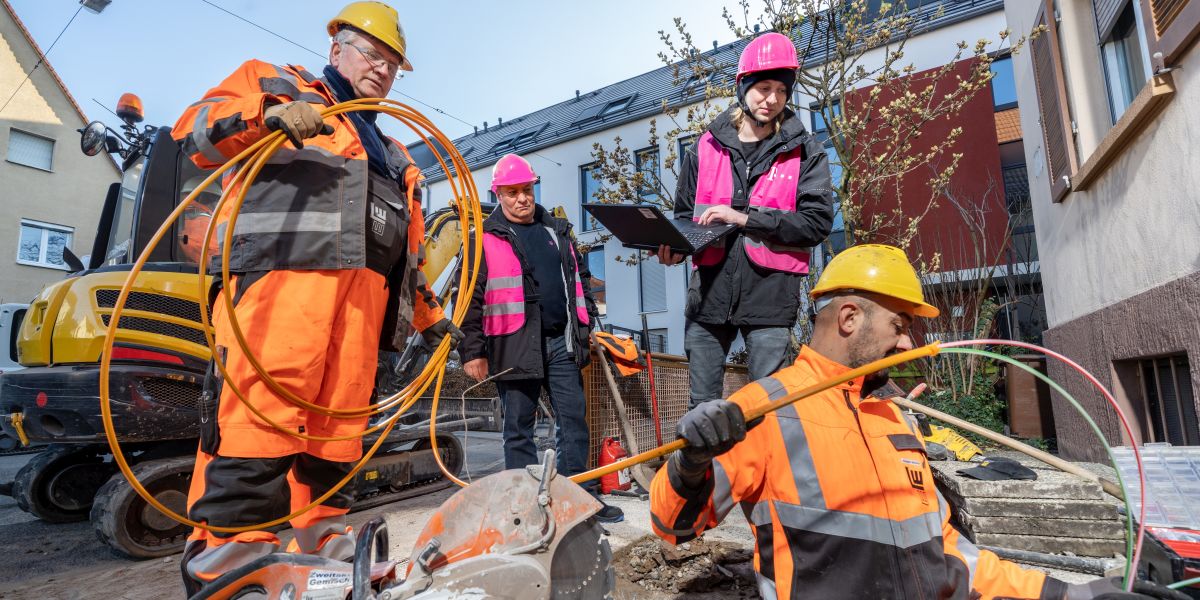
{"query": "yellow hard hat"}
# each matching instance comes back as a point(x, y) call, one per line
point(378, 20)
point(875, 268)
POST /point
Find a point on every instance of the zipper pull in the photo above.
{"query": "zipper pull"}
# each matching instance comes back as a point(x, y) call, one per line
point(849, 404)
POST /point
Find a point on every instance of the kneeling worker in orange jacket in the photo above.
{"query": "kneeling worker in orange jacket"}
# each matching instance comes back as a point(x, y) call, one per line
point(837, 485)
point(326, 254)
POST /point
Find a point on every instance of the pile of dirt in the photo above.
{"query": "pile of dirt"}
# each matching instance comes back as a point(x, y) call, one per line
point(692, 567)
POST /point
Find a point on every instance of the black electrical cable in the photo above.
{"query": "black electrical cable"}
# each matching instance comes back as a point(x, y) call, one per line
point(41, 58)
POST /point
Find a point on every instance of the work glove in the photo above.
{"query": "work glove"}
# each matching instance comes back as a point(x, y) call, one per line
point(435, 333)
point(710, 429)
point(1112, 589)
point(298, 120)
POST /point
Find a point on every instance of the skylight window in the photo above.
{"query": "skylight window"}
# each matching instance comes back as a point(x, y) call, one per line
point(601, 110)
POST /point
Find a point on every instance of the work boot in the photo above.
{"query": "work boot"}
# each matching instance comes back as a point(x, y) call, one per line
point(609, 513)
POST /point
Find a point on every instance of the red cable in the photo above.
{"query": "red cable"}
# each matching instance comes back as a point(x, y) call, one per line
point(1137, 455)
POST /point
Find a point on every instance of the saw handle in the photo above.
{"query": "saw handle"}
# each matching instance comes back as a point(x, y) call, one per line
point(372, 540)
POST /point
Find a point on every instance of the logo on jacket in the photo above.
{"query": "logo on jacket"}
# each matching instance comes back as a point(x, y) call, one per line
point(915, 478)
point(378, 220)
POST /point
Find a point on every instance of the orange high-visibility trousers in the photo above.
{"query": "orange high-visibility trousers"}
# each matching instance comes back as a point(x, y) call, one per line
point(317, 333)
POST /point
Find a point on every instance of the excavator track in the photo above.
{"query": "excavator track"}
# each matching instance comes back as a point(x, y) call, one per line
point(421, 454)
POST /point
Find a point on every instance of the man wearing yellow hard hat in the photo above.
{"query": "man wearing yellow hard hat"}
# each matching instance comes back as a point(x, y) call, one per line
point(836, 486)
point(326, 270)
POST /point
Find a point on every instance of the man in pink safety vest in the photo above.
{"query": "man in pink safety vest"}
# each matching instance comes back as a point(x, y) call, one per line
point(758, 168)
point(529, 321)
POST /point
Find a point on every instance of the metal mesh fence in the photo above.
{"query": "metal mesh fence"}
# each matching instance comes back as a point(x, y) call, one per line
point(671, 384)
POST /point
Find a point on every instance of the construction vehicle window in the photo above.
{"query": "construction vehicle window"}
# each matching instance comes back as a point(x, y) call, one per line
point(121, 236)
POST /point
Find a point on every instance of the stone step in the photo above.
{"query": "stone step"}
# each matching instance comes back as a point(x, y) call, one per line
point(1110, 529)
point(1053, 545)
point(1049, 484)
point(1049, 508)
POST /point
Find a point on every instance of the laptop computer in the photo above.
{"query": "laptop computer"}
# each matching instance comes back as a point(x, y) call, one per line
point(645, 227)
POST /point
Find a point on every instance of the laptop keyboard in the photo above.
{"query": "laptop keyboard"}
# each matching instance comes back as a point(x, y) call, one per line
point(699, 237)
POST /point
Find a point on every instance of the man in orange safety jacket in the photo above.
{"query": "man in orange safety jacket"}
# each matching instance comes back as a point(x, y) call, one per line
point(837, 486)
point(326, 260)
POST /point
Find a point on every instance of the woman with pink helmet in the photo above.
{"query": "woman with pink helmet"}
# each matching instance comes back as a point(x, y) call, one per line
point(756, 167)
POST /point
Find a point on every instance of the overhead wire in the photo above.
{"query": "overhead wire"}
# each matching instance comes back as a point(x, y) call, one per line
point(323, 57)
point(41, 58)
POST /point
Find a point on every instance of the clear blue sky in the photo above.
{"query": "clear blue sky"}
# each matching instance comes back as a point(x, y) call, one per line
point(477, 60)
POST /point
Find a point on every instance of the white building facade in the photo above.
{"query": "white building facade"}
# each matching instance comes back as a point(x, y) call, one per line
point(558, 141)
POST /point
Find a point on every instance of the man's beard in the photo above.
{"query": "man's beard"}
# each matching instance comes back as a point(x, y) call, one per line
point(861, 354)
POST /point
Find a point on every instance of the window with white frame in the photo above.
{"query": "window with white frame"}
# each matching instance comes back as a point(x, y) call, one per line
point(652, 285)
point(647, 165)
point(1123, 55)
point(589, 189)
point(42, 244)
point(30, 150)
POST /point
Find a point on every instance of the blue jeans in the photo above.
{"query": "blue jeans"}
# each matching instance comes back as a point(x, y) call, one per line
point(564, 382)
point(707, 347)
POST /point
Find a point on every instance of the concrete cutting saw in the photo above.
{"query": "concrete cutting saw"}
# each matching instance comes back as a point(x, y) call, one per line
point(521, 533)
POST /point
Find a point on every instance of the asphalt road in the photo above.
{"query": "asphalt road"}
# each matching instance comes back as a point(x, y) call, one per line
point(41, 560)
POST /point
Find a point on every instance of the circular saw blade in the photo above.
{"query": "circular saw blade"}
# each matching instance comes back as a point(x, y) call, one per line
point(581, 566)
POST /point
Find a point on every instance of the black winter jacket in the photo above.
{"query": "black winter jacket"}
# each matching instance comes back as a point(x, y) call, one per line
point(736, 291)
point(522, 350)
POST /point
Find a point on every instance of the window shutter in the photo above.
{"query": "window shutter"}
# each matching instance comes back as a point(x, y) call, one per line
point(654, 285)
point(1171, 27)
point(30, 150)
point(1107, 12)
point(1052, 101)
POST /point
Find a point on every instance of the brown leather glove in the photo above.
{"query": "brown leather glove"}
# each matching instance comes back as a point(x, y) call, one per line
point(297, 120)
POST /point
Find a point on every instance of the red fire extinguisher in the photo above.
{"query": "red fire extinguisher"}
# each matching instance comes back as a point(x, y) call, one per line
point(610, 452)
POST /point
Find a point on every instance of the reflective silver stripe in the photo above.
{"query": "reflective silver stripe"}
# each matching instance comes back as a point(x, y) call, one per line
point(504, 308)
point(308, 538)
point(214, 562)
point(760, 514)
point(200, 137)
point(804, 470)
point(964, 546)
point(276, 222)
point(698, 209)
point(208, 101)
point(902, 534)
point(287, 155)
point(501, 283)
point(579, 302)
point(675, 532)
point(766, 588)
point(722, 497)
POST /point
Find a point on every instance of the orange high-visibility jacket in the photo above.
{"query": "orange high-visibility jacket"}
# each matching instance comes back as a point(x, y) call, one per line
point(308, 208)
point(839, 494)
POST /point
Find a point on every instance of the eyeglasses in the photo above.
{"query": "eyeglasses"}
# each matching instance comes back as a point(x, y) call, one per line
point(376, 59)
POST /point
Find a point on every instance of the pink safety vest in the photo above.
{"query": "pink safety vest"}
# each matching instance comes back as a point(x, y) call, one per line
point(774, 190)
point(504, 294)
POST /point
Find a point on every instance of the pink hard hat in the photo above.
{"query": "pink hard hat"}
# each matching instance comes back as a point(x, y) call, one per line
point(512, 170)
point(768, 52)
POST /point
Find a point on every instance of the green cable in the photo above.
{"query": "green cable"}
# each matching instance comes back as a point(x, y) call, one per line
point(1185, 582)
point(1129, 535)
